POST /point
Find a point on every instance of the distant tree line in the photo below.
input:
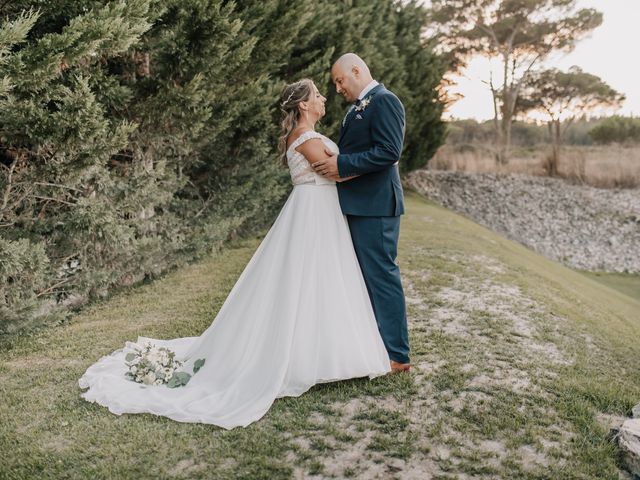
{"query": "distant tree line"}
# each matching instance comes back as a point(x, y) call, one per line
point(582, 131)
point(138, 135)
point(617, 129)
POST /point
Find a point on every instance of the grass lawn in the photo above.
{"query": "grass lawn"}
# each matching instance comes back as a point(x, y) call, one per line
point(629, 284)
point(517, 361)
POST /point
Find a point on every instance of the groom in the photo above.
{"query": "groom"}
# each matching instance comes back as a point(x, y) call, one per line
point(370, 145)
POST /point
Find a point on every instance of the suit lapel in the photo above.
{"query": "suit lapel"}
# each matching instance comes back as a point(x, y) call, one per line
point(347, 119)
point(352, 112)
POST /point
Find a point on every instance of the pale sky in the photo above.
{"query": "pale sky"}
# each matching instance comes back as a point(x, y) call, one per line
point(612, 52)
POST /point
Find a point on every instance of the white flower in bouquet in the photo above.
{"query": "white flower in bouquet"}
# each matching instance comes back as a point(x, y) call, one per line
point(149, 378)
point(153, 357)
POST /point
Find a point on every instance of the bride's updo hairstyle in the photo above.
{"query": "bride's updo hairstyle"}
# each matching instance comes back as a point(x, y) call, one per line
point(292, 95)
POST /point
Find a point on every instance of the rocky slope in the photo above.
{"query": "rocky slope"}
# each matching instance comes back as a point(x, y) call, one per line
point(580, 226)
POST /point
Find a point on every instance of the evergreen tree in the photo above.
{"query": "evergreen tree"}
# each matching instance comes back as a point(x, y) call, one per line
point(426, 131)
point(136, 135)
point(55, 142)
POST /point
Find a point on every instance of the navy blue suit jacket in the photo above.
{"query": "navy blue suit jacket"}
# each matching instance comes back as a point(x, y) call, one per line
point(370, 144)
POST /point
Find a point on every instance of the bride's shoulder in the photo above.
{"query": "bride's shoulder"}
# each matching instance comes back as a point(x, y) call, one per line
point(300, 136)
point(294, 135)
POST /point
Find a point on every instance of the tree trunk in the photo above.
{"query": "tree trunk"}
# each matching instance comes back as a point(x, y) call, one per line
point(553, 160)
point(499, 142)
point(496, 120)
point(505, 138)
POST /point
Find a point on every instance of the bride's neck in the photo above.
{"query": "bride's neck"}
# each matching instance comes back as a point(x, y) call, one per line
point(306, 125)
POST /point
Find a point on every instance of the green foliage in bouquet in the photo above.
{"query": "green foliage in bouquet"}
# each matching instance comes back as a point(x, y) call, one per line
point(180, 379)
point(197, 365)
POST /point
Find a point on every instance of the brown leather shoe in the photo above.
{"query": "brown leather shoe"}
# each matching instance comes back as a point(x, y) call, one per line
point(397, 367)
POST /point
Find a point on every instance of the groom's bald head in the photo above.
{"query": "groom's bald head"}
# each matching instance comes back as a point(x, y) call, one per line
point(350, 74)
point(351, 60)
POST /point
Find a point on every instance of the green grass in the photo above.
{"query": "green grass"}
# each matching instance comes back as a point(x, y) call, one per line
point(627, 283)
point(514, 358)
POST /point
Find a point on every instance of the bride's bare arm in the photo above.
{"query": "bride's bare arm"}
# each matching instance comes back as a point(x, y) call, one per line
point(314, 151)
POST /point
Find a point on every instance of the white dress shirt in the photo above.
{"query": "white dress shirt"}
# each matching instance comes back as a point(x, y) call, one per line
point(367, 89)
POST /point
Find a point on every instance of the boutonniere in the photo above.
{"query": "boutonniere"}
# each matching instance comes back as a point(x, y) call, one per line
point(363, 104)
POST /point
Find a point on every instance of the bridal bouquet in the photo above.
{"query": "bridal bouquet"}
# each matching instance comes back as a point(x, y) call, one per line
point(153, 365)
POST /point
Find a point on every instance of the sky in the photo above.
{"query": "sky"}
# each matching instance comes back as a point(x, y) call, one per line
point(612, 52)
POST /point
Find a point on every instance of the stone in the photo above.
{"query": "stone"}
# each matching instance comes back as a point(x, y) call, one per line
point(629, 443)
point(635, 411)
point(580, 226)
point(611, 423)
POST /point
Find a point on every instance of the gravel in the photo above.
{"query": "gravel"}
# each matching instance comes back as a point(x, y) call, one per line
point(583, 227)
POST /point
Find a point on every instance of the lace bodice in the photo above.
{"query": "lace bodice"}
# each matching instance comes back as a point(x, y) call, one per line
point(299, 168)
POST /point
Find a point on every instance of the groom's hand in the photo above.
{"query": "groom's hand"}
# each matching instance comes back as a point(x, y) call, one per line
point(327, 167)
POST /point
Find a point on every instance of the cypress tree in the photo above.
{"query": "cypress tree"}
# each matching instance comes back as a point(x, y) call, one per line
point(56, 140)
point(137, 135)
point(423, 72)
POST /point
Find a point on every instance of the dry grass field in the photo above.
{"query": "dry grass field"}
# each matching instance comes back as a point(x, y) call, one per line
point(612, 166)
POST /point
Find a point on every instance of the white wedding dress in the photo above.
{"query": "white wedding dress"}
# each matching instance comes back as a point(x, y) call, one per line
point(298, 315)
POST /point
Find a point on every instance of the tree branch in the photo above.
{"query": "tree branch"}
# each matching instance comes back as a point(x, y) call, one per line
point(523, 77)
point(494, 95)
point(44, 292)
point(57, 185)
point(53, 199)
point(491, 33)
point(7, 191)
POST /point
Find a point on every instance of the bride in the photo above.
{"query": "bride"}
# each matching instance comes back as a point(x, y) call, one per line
point(298, 315)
